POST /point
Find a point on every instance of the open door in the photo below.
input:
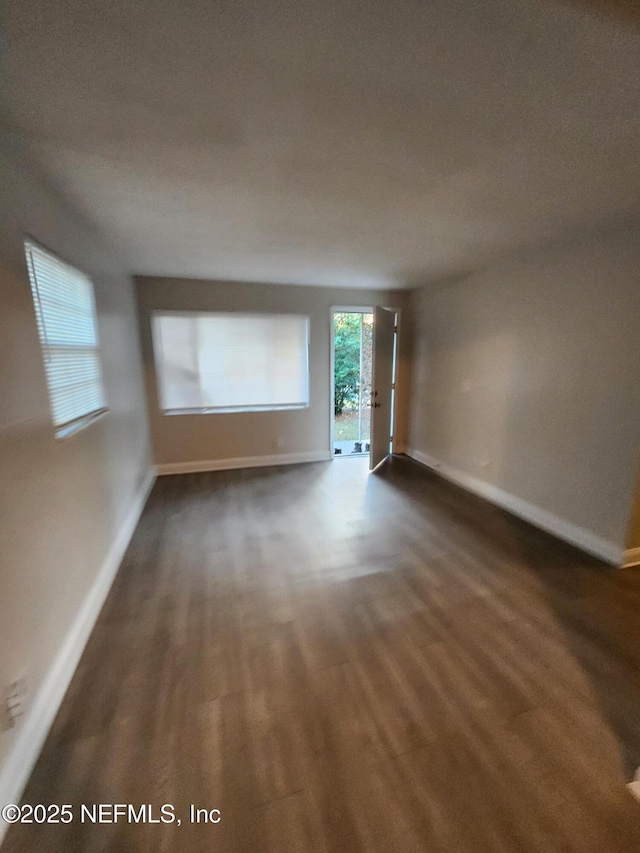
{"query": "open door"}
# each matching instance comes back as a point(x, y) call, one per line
point(381, 402)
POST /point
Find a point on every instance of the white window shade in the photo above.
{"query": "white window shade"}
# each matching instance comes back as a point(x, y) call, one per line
point(65, 314)
point(231, 362)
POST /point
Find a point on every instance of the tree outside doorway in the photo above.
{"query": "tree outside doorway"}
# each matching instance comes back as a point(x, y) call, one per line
point(353, 355)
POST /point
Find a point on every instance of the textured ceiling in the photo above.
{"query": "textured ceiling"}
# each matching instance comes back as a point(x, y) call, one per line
point(326, 141)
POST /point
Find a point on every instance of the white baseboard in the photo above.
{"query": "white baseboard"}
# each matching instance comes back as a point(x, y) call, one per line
point(606, 550)
point(241, 462)
point(34, 728)
point(631, 557)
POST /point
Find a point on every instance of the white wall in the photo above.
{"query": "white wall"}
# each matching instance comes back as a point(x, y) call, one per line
point(66, 507)
point(182, 441)
point(525, 383)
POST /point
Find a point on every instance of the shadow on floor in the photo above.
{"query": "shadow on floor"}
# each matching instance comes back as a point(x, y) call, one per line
point(596, 605)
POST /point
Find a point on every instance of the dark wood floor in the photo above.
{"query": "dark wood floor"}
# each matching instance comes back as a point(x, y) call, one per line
point(345, 662)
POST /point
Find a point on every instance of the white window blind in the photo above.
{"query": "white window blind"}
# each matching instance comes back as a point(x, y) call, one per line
point(231, 362)
point(65, 313)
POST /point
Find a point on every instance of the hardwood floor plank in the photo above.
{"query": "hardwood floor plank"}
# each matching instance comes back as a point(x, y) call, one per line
point(340, 661)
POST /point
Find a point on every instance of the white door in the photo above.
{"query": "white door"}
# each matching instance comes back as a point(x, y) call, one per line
point(381, 396)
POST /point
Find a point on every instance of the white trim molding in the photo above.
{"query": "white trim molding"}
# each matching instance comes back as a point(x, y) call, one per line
point(34, 728)
point(631, 558)
point(584, 539)
point(242, 462)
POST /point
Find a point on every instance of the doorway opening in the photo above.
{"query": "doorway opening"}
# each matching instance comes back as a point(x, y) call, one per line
point(352, 382)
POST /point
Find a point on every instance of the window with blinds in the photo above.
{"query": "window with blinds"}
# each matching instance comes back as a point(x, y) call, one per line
point(231, 362)
point(66, 317)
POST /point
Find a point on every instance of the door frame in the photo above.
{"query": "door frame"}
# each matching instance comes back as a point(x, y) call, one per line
point(358, 309)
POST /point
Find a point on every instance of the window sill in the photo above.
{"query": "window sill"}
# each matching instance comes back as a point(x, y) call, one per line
point(235, 410)
point(64, 432)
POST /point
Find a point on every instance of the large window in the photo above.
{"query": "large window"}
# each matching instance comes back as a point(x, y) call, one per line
point(231, 362)
point(66, 317)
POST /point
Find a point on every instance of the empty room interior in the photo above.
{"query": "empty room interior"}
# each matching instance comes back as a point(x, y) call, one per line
point(320, 426)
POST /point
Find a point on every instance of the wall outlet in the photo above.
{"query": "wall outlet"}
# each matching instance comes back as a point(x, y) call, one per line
point(13, 703)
